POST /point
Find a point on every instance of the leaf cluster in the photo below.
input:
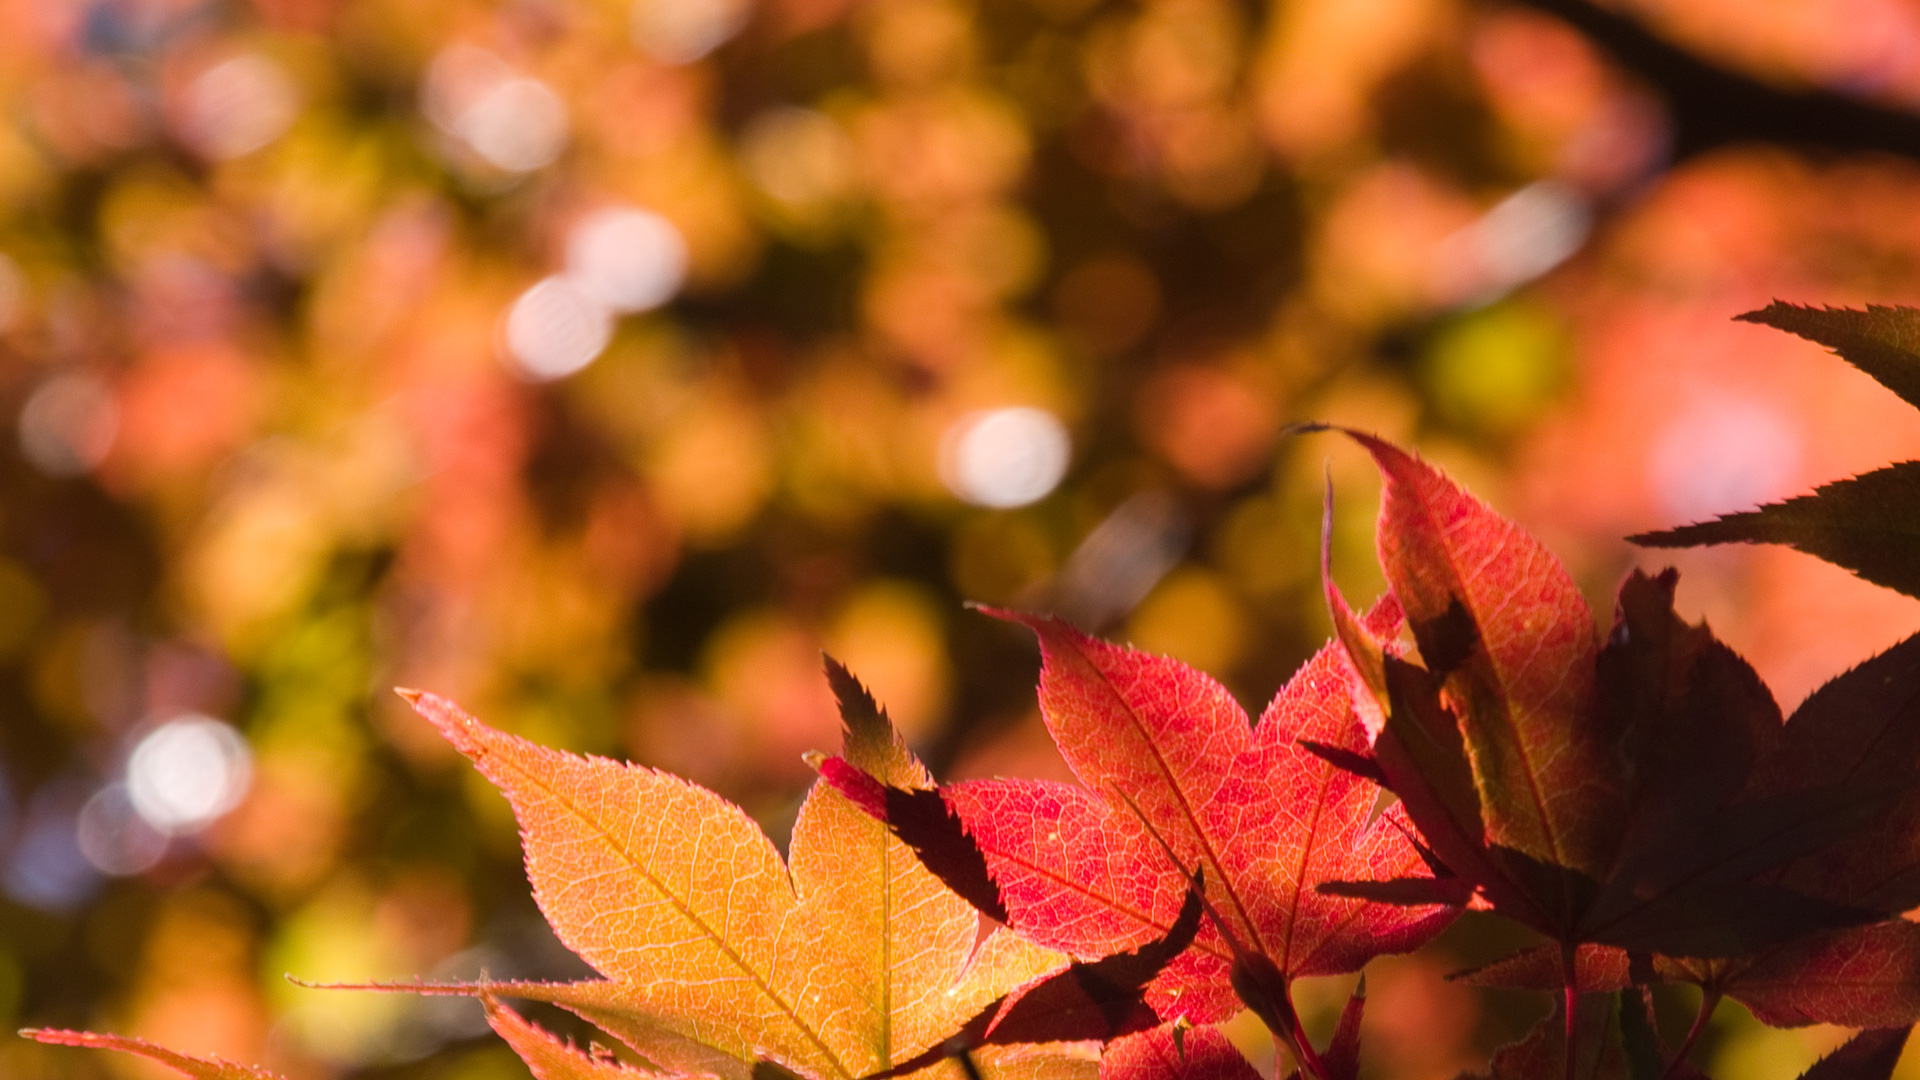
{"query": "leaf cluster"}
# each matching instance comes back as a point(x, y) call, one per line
point(1636, 799)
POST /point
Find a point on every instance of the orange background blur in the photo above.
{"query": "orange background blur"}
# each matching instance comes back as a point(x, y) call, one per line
point(598, 363)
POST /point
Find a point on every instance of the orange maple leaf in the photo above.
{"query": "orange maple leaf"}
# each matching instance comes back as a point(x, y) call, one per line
point(717, 954)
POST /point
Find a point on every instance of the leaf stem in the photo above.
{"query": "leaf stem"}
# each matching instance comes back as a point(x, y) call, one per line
point(1570, 996)
point(1301, 1051)
point(1302, 1047)
point(1709, 1000)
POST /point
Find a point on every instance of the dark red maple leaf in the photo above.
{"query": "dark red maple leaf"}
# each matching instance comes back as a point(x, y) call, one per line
point(1615, 1040)
point(1856, 733)
point(1597, 792)
point(1857, 976)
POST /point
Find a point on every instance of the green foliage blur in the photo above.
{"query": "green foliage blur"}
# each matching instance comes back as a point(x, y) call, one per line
point(598, 363)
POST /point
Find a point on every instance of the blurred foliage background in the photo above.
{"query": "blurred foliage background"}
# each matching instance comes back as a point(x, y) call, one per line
point(598, 363)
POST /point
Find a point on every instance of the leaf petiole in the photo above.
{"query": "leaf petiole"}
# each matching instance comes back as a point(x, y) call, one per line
point(1259, 982)
point(1709, 1001)
point(1571, 997)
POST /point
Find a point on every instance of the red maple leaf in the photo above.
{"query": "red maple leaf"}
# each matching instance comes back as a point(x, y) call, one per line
point(200, 1068)
point(1174, 781)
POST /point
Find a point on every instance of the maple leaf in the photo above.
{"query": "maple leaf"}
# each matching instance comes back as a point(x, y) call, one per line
point(1860, 732)
point(1167, 757)
point(201, 1068)
point(1870, 1055)
point(841, 963)
point(1858, 976)
point(1868, 524)
point(1595, 793)
point(1199, 1054)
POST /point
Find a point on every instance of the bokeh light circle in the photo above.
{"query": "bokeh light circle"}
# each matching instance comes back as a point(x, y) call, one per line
point(187, 772)
point(519, 125)
point(68, 424)
point(555, 329)
point(627, 259)
point(1005, 457)
point(238, 106)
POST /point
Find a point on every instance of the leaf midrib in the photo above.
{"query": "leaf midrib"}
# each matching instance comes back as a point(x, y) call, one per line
point(886, 943)
point(1110, 903)
point(686, 912)
point(1180, 798)
point(1307, 849)
point(1510, 722)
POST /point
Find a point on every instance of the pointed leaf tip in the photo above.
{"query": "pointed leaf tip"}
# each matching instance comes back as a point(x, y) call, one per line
point(466, 733)
point(1863, 524)
point(1342, 1058)
point(550, 1057)
point(1870, 1055)
point(856, 701)
point(200, 1068)
point(1361, 765)
point(1884, 342)
point(867, 735)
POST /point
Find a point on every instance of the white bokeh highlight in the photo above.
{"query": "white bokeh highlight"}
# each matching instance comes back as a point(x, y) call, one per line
point(627, 259)
point(518, 126)
point(556, 328)
point(1005, 457)
point(620, 260)
point(238, 106)
point(513, 122)
point(187, 772)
